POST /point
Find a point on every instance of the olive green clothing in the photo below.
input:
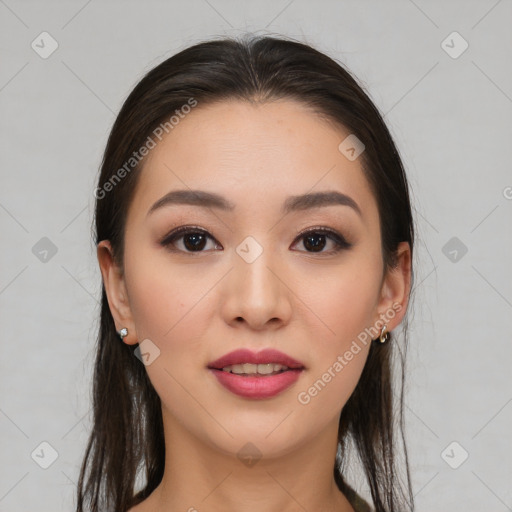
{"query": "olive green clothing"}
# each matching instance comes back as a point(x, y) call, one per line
point(358, 503)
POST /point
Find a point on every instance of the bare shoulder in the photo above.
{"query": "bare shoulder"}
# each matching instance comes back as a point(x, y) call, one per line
point(149, 504)
point(141, 507)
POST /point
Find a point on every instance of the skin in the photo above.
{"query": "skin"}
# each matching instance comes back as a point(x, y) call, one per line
point(196, 307)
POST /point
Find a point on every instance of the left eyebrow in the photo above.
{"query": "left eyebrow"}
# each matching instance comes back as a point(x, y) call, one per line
point(318, 199)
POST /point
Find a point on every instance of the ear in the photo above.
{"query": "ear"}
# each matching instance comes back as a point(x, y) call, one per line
point(395, 289)
point(115, 288)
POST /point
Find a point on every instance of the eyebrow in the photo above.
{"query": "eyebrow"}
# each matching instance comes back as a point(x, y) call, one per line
point(301, 202)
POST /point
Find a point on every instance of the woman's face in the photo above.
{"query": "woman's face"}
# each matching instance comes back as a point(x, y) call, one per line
point(246, 278)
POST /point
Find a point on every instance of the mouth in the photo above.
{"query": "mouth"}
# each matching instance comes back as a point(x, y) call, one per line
point(260, 370)
point(245, 362)
point(256, 375)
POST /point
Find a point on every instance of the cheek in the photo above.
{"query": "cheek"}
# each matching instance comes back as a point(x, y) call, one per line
point(164, 298)
point(169, 309)
point(337, 365)
point(323, 398)
point(343, 301)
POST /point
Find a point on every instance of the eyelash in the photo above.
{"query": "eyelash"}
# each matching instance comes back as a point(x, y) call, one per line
point(339, 240)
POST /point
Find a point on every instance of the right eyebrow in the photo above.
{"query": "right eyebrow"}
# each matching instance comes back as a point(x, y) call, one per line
point(194, 198)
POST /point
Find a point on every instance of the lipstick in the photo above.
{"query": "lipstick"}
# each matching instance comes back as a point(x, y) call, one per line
point(256, 375)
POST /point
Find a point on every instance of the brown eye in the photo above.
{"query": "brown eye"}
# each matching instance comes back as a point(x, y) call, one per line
point(315, 240)
point(193, 239)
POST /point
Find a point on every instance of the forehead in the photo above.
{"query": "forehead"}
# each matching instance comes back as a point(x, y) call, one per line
point(253, 154)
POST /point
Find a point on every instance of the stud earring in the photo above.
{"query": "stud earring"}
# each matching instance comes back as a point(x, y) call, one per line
point(122, 333)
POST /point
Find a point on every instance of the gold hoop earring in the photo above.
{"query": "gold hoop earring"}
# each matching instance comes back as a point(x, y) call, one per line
point(384, 335)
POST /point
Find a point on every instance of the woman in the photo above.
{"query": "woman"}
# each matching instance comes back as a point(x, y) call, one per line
point(254, 235)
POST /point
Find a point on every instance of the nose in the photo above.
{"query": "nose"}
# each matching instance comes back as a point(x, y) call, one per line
point(257, 294)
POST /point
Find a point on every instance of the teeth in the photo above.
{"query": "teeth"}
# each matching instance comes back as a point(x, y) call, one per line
point(252, 369)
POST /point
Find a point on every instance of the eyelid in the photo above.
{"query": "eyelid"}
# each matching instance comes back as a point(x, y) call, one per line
point(175, 234)
point(340, 241)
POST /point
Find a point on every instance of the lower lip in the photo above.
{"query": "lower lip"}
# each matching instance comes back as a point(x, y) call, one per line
point(257, 387)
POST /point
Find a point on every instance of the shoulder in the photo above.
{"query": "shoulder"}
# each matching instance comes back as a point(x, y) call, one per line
point(141, 507)
point(359, 504)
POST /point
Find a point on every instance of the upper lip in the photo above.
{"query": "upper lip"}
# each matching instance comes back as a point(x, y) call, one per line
point(265, 356)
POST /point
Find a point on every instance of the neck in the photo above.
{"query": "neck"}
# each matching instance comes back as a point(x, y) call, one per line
point(198, 476)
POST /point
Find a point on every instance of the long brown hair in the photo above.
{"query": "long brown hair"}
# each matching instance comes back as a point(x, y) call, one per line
point(127, 438)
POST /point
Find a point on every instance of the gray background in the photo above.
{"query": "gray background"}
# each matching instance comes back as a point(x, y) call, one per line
point(451, 118)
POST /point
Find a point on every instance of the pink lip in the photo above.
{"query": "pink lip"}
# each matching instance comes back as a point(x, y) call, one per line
point(256, 387)
point(265, 356)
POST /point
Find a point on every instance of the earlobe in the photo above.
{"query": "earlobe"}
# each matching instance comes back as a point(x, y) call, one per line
point(396, 289)
point(115, 289)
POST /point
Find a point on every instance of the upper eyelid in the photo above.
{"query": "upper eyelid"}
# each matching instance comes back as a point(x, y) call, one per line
point(185, 229)
point(180, 231)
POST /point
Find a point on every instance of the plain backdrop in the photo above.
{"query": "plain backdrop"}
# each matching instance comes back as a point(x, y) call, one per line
point(440, 72)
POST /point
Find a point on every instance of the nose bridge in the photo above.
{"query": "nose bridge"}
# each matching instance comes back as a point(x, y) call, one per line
point(257, 293)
